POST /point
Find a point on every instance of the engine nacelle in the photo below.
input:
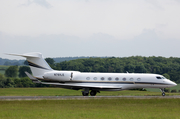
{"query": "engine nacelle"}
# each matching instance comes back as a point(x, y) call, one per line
point(61, 76)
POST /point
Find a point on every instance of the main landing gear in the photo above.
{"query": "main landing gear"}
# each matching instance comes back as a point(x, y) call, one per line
point(92, 93)
point(85, 93)
point(163, 92)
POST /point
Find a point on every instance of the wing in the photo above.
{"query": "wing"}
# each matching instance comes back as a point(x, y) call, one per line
point(86, 85)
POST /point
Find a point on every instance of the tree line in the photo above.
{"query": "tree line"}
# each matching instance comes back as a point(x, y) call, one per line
point(15, 77)
point(169, 67)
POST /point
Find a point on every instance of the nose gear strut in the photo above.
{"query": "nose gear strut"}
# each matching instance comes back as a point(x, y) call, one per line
point(163, 92)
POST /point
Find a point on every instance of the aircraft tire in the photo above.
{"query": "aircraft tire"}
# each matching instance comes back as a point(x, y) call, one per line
point(85, 94)
point(163, 94)
point(93, 93)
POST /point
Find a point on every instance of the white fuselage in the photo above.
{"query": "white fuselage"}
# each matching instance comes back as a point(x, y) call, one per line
point(122, 80)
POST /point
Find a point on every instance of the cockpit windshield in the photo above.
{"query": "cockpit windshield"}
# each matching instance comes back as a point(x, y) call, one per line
point(158, 77)
point(163, 77)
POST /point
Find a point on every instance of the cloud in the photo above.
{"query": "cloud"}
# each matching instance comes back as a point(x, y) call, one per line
point(42, 3)
point(102, 37)
point(147, 35)
point(90, 28)
point(146, 44)
point(155, 4)
point(120, 19)
point(177, 1)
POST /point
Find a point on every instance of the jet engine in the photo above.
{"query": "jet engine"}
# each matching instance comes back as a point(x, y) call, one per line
point(61, 76)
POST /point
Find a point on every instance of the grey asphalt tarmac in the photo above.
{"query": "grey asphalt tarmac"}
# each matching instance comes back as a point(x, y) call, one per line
point(79, 97)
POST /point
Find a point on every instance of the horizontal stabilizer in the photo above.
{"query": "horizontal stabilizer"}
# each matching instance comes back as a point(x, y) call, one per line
point(35, 80)
point(33, 55)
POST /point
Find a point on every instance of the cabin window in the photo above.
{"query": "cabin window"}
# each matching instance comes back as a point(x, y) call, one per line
point(158, 77)
point(131, 79)
point(102, 78)
point(116, 78)
point(109, 78)
point(87, 78)
point(95, 78)
point(138, 79)
point(124, 79)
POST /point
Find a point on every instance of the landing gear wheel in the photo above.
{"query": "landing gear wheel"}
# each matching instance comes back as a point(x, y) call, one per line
point(85, 94)
point(162, 90)
point(93, 93)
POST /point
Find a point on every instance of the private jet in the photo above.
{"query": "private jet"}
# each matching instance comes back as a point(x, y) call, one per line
point(91, 83)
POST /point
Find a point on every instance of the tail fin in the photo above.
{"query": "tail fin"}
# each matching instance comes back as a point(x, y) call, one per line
point(36, 62)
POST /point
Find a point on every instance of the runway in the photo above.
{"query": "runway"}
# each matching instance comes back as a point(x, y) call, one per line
point(81, 97)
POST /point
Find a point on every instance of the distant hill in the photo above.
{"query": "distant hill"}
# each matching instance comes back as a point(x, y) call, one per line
point(9, 62)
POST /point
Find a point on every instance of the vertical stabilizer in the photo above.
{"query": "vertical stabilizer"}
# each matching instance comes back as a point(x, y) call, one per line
point(37, 63)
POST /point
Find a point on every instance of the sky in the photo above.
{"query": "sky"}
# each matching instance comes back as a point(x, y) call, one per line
point(63, 28)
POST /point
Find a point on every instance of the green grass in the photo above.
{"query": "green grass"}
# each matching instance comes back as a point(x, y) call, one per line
point(66, 92)
point(91, 109)
point(120, 108)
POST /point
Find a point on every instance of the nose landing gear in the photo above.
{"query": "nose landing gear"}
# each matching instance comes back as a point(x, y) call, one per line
point(163, 92)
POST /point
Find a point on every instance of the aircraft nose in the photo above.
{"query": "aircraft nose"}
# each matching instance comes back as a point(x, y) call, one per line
point(174, 84)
